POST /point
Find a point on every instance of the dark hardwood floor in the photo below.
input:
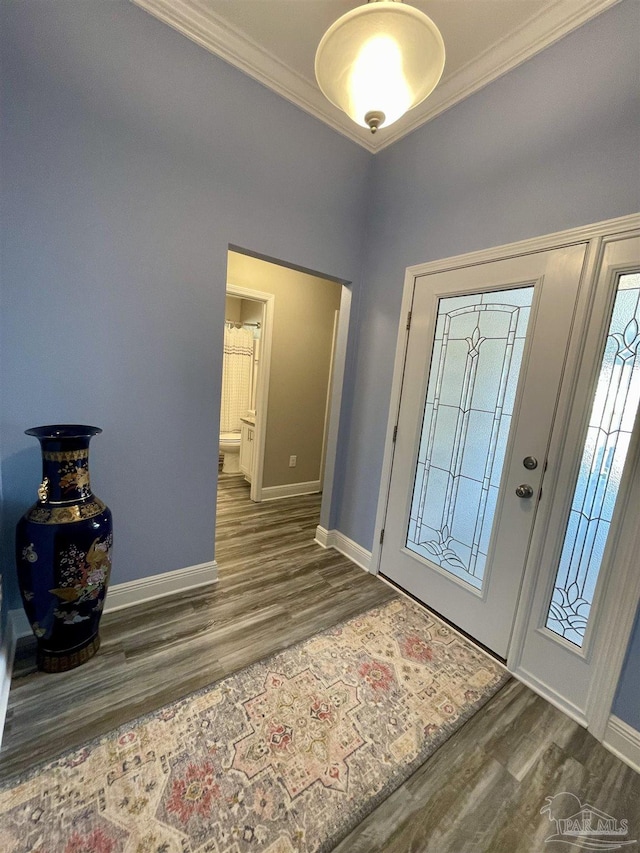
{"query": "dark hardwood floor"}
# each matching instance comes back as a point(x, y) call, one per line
point(481, 792)
point(276, 586)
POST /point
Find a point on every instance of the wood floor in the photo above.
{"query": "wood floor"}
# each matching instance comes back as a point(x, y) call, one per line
point(481, 792)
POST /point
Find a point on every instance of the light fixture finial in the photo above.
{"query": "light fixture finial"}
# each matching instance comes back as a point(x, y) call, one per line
point(374, 118)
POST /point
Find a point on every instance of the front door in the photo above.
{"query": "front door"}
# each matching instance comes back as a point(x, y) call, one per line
point(484, 362)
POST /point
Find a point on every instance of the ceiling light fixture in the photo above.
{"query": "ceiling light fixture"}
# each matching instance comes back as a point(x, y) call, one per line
point(379, 60)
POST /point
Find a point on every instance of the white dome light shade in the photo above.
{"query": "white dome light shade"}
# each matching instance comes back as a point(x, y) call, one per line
point(378, 61)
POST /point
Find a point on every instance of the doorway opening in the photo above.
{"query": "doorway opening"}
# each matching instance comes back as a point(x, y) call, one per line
point(290, 327)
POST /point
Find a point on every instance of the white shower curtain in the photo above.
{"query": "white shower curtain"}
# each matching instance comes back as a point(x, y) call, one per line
point(237, 365)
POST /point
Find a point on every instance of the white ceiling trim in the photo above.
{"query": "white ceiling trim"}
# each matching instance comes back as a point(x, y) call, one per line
point(538, 33)
point(216, 35)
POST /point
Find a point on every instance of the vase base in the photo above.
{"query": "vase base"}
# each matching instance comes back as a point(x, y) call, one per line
point(49, 661)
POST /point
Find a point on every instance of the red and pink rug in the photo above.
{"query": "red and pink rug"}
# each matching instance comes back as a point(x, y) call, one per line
point(285, 756)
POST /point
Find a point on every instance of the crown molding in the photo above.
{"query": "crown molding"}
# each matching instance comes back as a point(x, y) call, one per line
point(216, 35)
point(544, 29)
point(193, 19)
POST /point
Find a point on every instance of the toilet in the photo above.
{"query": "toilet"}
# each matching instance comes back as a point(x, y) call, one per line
point(230, 449)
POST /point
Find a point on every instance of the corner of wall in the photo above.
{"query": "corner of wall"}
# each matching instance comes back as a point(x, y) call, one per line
point(339, 542)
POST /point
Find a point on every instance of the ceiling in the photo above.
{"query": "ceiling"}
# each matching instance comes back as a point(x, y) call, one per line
point(274, 41)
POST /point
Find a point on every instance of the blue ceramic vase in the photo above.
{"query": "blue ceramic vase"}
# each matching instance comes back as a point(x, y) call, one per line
point(63, 551)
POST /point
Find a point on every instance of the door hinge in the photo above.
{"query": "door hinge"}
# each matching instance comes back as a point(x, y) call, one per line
point(382, 536)
point(408, 321)
point(395, 433)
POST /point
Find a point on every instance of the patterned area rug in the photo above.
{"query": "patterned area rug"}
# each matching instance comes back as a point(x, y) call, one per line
point(285, 756)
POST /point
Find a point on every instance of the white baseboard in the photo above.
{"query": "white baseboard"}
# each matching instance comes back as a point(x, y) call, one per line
point(334, 539)
point(7, 654)
point(128, 594)
point(623, 741)
point(290, 490)
point(323, 537)
point(158, 586)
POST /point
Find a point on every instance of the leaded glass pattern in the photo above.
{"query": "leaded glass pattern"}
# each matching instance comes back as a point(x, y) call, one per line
point(477, 353)
point(608, 435)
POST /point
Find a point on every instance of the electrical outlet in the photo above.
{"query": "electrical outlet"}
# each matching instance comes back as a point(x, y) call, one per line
point(293, 461)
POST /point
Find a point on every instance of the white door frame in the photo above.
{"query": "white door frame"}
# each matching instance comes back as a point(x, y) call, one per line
point(332, 423)
point(624, 583)
point(262, 379)
point(327, 407)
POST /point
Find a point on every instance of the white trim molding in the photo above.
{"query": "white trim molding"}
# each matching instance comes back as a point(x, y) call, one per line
point(151, 588)
point(328, 473)
point(611, 228)
point(548, 26)
point(339, 542)
point(290, 490)
point(197, 21)
point(623, 741)
point(139, 591)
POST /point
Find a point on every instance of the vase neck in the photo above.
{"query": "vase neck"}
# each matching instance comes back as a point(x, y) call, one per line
point(65, 472)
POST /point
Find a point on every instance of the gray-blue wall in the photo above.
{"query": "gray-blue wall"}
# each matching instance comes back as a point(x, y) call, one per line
point(132, 158)
point(626, 704)
point(552, 145)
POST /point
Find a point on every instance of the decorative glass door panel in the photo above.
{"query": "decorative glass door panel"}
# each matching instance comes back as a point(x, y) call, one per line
point(582, 555)
point(605, 451)
point(475, 364)
point(484, 361)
